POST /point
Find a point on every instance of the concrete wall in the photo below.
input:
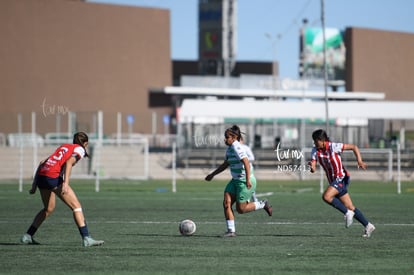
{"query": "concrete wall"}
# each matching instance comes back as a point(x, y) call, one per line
point(59, 56)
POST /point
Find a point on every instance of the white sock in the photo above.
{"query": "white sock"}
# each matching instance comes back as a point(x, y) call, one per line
point(259, 205)
point(231, 226)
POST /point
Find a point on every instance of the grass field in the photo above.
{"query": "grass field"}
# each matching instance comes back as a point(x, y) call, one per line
point(139, 222)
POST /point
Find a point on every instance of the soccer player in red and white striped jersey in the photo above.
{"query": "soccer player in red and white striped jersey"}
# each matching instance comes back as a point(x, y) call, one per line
point(328, 155)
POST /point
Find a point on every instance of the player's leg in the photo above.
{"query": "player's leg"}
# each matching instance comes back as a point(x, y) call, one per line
point(244, 194)
point(49, 203)
point(358, 215)
point(330, 197)
point(228, 201)
point(71, 200)
point(349, 215)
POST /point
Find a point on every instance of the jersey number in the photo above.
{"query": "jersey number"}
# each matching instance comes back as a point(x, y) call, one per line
point(59, 155)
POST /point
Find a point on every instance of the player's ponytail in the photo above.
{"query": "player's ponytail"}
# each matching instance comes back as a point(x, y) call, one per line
point(80, 138)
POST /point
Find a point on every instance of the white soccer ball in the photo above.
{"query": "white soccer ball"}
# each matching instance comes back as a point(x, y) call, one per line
point(187, 227)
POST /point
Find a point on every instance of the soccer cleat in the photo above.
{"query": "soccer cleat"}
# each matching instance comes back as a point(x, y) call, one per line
point(88, 241)
point(368, 230)
point(268, 207)
point(229, 234)
point(27, 239)
point(349, 218)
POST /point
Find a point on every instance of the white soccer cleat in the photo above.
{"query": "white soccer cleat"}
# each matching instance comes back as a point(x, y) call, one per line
point(368, 230)
point(27, 239)
point(89, 241)
point(349, 218)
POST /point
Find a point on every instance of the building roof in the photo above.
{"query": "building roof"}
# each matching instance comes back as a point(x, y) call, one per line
point(201, 91)
point(193, 110)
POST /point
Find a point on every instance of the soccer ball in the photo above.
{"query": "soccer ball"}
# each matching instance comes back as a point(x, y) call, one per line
point(187, 227)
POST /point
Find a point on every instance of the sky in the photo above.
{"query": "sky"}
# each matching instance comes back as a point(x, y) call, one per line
point(268, 30)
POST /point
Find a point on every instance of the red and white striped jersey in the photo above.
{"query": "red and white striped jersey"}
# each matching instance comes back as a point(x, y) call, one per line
point(330, 160)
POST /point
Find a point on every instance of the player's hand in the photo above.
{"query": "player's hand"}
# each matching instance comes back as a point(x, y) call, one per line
point(32, 191)
point(362, 165)
point(248, 184)
point(311, 169)
point(209, 177)
point(64, 188)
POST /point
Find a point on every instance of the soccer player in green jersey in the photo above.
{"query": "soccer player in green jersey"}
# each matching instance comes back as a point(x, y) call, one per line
point(240, 188)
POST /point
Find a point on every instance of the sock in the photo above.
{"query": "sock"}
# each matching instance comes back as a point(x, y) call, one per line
point(32, 230)
point(254, 198)
point(84, 231)
point(259, 205)
point(339, 205)
point(231, 226)
point(360, 217)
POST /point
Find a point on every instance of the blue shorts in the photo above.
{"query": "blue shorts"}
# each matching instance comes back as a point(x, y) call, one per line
point(341, 186)
point(44, 182)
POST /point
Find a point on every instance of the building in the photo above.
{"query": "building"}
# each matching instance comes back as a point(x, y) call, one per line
point(62, 61)
point(63, 58)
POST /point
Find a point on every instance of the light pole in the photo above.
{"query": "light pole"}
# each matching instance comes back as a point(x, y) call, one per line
point(325, 67)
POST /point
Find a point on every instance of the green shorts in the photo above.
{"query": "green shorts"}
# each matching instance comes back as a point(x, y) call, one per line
point(238, 188)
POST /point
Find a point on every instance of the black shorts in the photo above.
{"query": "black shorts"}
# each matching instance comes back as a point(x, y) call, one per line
point(44, 182)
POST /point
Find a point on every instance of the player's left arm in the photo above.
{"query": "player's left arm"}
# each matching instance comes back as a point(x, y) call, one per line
point(357, 154)
point(246, 164)
point(68, 169)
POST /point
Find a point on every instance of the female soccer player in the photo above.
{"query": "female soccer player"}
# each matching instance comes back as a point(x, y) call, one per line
point(328, 154)
point(52, 178)
point(243, 183)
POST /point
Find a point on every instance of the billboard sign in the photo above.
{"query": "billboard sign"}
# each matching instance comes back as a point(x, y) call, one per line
point(210, 30)
point(312, 53)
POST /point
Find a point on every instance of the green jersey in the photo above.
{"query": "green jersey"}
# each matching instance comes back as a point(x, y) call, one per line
point(234, 154)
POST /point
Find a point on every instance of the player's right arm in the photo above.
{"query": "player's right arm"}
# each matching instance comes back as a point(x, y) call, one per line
point(34, 183)
point(312, 166)
point(312, 162)
point(219, 169)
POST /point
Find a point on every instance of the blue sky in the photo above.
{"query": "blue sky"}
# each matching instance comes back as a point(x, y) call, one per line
point(281, 19)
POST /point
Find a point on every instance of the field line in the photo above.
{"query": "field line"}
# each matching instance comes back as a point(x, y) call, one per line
point(266, 223)
point(204, 222)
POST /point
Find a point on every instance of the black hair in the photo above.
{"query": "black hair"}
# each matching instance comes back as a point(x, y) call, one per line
point(80, 138)
point(235, 130)
point(320, 135)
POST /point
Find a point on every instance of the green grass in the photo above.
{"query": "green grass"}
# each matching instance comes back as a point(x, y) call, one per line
point(139, 222)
